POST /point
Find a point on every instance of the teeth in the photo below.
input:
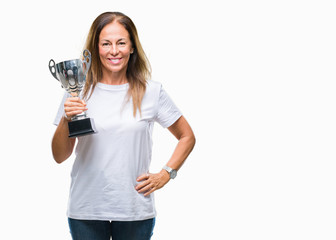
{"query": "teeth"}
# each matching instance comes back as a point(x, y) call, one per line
point(114, 60)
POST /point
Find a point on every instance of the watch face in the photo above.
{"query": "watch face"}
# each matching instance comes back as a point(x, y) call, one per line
point(173, 174)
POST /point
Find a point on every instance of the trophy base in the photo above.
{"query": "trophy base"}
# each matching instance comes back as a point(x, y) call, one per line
point(81, 127)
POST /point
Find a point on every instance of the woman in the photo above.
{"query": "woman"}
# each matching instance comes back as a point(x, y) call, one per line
point(111, 191)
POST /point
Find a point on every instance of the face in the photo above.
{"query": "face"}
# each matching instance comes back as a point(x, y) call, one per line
point(115, 48)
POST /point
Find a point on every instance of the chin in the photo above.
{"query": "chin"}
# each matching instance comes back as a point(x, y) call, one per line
point(114, 69)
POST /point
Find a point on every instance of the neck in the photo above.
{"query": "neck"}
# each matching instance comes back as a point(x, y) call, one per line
point(114, 78)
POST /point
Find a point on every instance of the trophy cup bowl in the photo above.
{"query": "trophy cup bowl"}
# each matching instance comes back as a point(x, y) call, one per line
point(72, 76)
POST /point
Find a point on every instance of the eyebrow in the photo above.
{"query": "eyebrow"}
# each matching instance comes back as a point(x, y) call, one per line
point(121, 39)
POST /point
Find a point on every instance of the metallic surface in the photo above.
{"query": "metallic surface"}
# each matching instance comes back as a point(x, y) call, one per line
point(72, 73)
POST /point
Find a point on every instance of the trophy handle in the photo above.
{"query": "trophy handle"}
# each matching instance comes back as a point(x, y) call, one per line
point(52, 68)
point(87, 60)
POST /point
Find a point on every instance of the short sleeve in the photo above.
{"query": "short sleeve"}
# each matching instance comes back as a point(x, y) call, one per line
point(167, 113)
point(60, 111)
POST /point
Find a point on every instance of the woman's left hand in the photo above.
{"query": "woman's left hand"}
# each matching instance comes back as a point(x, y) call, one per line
point(151, 182)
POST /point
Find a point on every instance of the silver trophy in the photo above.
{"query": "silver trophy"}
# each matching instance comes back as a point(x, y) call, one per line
point(72, 75)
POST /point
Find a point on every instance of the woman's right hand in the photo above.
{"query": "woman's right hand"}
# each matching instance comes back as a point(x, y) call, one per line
point(73, 106)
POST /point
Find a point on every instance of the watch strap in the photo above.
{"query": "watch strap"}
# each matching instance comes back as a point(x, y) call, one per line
point(172, 172)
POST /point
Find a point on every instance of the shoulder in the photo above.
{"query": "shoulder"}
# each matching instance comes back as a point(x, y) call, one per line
point(153, 88)
point(153, 85)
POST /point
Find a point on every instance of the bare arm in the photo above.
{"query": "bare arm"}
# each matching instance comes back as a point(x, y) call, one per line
point(61, 145)
point(183, 132)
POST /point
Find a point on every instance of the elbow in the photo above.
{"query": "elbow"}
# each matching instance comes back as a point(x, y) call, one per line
point(193, 141)
point(60, 156)
point(189, 140)
point(58, 159)
point(61, 151)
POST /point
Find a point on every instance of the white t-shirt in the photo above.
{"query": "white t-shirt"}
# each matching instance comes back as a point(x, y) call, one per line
point(107, 163)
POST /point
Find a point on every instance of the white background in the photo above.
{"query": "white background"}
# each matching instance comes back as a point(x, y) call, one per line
point(255, 80)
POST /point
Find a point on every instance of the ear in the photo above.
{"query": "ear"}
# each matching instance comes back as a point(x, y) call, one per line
point(132, 50)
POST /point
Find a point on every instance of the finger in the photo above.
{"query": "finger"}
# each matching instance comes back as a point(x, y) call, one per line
point(69, 110)
point(145, 188)
point(74, 104)
point(73, 113)
point(73, 99)
point(141, 185)
point(149, 192)
point(70, 103)
point(143, 177)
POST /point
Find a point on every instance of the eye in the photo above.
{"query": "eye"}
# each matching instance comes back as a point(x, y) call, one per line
point(122, 43)
point(105, 44)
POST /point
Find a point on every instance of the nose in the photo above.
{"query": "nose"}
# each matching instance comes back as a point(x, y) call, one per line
point(114, 50)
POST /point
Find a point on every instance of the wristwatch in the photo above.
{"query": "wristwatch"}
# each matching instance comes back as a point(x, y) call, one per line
point(172, 172)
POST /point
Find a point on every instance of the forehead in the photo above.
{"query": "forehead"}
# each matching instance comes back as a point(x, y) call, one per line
point(113, 31)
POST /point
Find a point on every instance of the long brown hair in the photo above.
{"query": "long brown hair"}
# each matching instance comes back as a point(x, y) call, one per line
point(138, 69)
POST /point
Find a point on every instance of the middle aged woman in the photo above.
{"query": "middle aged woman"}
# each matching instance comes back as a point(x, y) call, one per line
point(111, 191)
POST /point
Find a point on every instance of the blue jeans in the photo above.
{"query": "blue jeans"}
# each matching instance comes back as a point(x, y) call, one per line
point(104, 230)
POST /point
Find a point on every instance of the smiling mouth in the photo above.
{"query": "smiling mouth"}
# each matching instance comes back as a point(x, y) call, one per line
point(114, 60)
